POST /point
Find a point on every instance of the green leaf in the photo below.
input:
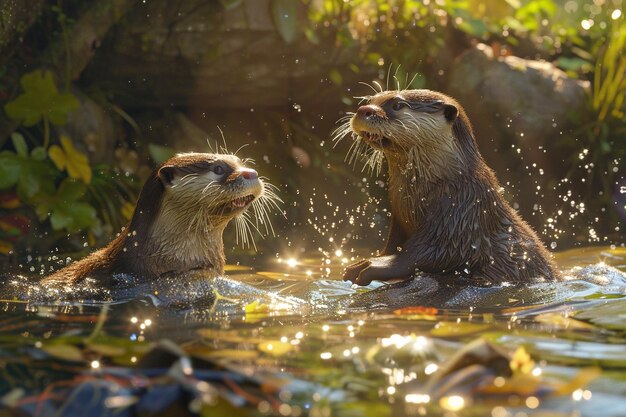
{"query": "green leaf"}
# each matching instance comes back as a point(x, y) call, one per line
point(60, 219)
point(10, 168)
point(64, 352)
point(285, 15)
point(71, 190)
point(83, 215)
point(60, 108)
point(19, 144)
point(29, 183)
point(160, 153)
point(36, 180)
point(39, 153)
point(73, 217)
point(42, 211)
point(40, 99)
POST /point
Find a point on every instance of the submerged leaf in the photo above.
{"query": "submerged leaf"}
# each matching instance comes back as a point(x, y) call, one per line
point(448, 329)
point(276, 347)
point(65, 352)
point(558, 319)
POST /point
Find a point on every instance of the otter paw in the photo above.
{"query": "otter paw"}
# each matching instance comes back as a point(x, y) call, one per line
point(352, 272)
point(382, 268)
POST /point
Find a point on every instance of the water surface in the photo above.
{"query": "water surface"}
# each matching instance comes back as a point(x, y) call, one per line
point(289, 339)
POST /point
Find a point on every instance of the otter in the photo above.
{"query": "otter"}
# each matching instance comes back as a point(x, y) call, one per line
point(178, 222)
point(448, 216)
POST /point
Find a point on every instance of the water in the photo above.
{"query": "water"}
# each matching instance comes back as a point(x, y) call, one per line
point(286, 342)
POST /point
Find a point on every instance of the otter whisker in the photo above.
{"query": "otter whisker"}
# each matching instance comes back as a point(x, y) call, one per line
point(225, 148)
point(370, 86)
point(209, 186)
point(240, 148)
point(262, 217)
point(377, 84)
point(408, 85)
point(388, 75)
point(397, 83)
point(273, 199)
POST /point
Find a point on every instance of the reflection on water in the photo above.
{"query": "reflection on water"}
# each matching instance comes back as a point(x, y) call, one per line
point(287, 342)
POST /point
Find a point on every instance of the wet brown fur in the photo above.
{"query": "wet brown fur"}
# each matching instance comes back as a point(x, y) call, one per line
point(449, 217)
point(139, 250)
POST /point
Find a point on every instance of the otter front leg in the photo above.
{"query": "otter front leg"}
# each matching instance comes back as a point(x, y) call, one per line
point(395, 239)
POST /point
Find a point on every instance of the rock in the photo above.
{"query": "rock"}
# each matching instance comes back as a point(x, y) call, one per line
point(91, 127)
point(513, 104)
point(530, 96)
point(197, 54)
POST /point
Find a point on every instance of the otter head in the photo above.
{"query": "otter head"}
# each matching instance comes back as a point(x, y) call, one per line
point(421, 128)
point(184, 208)
point(211, 188)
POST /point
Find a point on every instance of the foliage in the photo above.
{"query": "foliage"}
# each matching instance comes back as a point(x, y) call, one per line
point(67, 158)
point(48, 183)
point(41, 99)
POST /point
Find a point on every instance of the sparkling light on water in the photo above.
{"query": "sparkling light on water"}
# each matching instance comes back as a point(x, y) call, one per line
point(452, 403)
point(417, 398)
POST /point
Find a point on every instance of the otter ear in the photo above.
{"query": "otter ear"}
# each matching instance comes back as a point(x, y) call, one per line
point(450, 112)
point(166, 174)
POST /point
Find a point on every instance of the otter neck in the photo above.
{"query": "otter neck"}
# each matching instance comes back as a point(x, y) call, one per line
point(413, 177)
point(180, 243)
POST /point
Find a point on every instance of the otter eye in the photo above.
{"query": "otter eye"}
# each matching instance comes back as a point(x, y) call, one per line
point(399, 105)
point(218, 170)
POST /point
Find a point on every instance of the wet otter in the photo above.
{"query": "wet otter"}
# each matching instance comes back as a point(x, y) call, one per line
point(449, 218)
point(178, 222)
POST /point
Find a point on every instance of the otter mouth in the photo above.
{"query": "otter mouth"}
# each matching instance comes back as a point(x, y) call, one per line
point(375, 139)
point(241, 202)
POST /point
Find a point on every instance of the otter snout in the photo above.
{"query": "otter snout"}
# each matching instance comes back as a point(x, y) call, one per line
point(370, 110)
point(248, 173)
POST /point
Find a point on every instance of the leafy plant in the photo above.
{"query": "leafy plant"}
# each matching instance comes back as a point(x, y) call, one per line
point(609, 83)
point(67, 158)
point(49, 182)
point(41, 100)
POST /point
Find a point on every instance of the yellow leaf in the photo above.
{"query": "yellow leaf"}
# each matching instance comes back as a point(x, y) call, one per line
point(519, 384)
point(275, 347)
point(106, 350)
point(256, 311)
point(76, 161)
point(64, 352)
point(231, 354)
point(580, 380)
point(521, 361)
point(558, 319)
point(58, 157)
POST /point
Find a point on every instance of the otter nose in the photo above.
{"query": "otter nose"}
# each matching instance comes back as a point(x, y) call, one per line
point(366, 111)
point(249, 174)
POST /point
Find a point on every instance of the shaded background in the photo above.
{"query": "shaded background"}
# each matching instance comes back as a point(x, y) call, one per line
point(542, 81)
